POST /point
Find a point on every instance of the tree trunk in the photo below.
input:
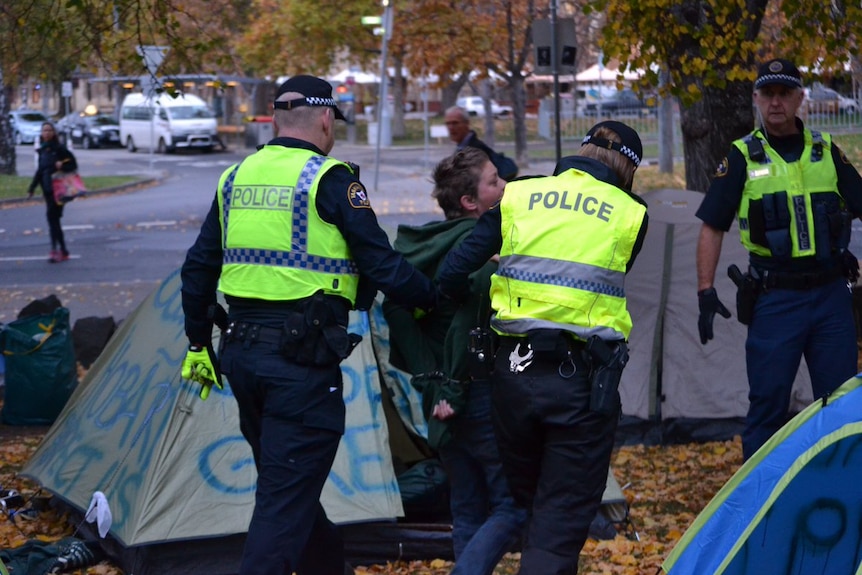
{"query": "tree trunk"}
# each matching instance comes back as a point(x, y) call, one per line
point(485, 90)
point(519, 111)
point(708, 128)
point(7, 144)
point(451, 90)
point(399, 130)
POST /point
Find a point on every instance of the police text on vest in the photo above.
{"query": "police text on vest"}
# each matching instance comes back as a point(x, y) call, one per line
point(588, 205)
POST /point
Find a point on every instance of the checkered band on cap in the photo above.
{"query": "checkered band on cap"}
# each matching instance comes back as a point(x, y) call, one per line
point(621, 148)
point(778, 71)
point(312, 101)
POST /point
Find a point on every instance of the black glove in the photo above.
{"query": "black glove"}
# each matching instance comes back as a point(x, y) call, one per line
point(851, 266)
point(709, 305)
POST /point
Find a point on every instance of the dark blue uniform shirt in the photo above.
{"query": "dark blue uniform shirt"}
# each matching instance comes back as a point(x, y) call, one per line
point(381, 267)
point(721, 202)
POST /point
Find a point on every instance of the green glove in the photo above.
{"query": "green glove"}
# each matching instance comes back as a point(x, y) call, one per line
point(201, 365)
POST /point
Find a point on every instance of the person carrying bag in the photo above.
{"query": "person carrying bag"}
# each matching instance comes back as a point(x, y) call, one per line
point(54, 157)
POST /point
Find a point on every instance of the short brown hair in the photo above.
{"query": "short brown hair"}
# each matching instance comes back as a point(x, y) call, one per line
point(456, 176)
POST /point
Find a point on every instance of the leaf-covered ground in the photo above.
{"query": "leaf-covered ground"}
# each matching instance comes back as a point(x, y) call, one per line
point(666, 487)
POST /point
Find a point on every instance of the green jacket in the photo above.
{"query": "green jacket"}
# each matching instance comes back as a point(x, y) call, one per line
point(438, 341)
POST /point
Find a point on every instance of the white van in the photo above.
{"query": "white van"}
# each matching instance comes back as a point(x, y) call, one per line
point(167, 123)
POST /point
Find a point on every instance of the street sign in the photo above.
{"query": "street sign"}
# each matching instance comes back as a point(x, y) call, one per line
point(566, 44)
point(153, 57)
point(66, 89)
point(372, 20)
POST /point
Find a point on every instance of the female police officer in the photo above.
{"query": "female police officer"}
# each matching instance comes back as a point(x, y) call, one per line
point(565, 244)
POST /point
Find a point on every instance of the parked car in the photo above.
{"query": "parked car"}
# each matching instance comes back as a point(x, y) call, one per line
point(96, 131)
point(64, 125)
point(476, 107)
point(26, 125)
point(823, 100)
point(623, 103)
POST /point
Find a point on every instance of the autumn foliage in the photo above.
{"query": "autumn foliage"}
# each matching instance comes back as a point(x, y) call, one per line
point(666, 487)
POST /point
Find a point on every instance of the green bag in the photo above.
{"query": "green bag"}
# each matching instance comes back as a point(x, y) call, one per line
point(40, 368)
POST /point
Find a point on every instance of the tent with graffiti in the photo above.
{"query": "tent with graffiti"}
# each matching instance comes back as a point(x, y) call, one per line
point(179, 478)
point(175, 468)
point(794, 507)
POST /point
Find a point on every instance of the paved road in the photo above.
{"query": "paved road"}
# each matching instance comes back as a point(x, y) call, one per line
point(124, 244)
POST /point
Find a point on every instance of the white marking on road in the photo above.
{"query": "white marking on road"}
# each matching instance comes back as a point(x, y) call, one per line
point(32, 258)
point(156, 223)
point(80, 227)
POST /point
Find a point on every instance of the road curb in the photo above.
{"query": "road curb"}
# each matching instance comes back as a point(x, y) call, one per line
point(130, 187)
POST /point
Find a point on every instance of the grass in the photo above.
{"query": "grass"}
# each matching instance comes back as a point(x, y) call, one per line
point(12, 187)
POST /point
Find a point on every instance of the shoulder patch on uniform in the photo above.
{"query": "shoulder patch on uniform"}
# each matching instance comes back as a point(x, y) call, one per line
point(357, 196)
point(721, 170)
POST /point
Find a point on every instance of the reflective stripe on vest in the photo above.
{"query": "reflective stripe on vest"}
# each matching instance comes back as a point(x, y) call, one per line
point(566, 274)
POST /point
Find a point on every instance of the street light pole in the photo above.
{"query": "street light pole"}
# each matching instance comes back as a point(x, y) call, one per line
point(382, 112)
point(555, 70)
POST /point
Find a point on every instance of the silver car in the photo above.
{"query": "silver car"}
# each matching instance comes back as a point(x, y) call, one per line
point(26, 125)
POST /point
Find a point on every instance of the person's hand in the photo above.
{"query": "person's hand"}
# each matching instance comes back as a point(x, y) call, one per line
point(201, 365)
point(709, 305)
point(443, 410)
point(30, 193)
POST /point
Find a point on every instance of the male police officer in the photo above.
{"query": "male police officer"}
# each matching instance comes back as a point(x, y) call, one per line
point(565, 245)
point(794, 192)
point(286, 240)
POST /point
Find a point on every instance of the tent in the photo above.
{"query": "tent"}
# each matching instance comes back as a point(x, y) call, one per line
point(176, 468)
point(674, 388)
point(179, 477)
point(794, 507)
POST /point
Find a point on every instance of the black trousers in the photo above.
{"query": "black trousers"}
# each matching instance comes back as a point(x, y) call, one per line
point(292, 417)
point(54, 213)
point(555, 454)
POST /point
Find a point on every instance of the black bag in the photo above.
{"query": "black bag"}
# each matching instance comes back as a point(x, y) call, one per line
point(40, 368)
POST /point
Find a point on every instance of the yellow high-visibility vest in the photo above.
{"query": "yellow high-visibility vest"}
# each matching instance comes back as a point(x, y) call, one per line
point(779, 197)
point(566, 242)
point(276, 246)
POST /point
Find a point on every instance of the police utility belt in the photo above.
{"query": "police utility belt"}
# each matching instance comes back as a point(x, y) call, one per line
point(604, 360)
point(310, 334)
point(750, 285)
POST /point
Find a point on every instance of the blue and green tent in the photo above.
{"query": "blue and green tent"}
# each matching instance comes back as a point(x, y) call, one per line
point(795, 507)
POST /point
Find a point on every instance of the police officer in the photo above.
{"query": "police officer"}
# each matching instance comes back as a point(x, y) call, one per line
point(795, 193)
point(565, 242)
point(292, 242)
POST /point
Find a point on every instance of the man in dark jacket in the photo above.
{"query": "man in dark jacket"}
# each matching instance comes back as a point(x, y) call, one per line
point(458, 124)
